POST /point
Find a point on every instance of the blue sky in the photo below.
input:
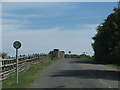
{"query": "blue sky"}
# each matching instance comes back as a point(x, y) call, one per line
point(42, 27)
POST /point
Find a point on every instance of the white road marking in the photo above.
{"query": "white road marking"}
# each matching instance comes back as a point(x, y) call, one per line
point(104, 83)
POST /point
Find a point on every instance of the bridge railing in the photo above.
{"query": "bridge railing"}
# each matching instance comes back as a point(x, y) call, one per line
point(8, 66)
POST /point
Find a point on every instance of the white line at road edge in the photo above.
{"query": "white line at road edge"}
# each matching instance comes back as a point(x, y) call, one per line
point(104, 83)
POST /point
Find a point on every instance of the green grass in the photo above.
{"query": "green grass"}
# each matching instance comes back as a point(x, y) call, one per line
point(114, 66)
point(26, 78)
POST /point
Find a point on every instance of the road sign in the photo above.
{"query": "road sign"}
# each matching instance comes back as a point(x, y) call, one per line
point(69, 52)
point(17, 44)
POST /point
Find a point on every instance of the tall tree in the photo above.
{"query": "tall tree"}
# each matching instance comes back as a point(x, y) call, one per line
point(107, 40)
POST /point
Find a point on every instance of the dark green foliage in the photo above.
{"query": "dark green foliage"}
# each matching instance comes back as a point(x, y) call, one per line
point(53, 54)
point(74, 56)
point(107, 40)
point(66, 56)
point(77, 56)
point(85, 56)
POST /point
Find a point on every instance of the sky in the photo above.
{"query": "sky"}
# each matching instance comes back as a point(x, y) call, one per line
point(44, 26)
point(59, 0)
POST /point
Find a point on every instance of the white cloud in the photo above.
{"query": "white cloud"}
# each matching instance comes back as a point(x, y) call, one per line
point(39, 41)
point(88, 17)
point(37, 10)
point(25, 5)
point(9, 28)
point(23, 16)
point(89, 26)
point(45, 40)
point(10, 21)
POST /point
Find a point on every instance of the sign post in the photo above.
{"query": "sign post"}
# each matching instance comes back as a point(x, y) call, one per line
point(17, 45)
point(69, 54)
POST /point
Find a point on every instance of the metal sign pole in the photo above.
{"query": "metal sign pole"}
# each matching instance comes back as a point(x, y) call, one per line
point(17, 45)
point(17, 66)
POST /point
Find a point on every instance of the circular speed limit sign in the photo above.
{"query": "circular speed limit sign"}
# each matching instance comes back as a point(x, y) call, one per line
point(17, 44)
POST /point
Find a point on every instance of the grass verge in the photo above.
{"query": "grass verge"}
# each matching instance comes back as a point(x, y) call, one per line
point(26, 78)
point(114, 66)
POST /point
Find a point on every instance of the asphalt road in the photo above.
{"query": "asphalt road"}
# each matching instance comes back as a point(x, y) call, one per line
point(77, 73)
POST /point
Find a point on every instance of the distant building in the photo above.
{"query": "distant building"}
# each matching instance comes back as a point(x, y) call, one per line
point(57, 54)
point(61, 54)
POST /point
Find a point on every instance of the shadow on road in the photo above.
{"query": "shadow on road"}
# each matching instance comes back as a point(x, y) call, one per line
point(87, 61)
point(89, 74)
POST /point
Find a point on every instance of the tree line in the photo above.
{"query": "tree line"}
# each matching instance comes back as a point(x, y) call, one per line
point(78, 56)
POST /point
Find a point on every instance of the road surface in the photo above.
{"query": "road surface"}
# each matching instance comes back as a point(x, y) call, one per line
point(77, 73)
